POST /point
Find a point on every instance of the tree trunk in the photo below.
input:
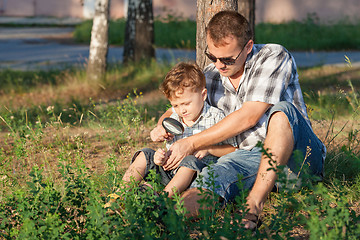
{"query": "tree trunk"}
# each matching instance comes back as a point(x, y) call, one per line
point(247, 9)
point(206, 9)
point(139, 31)
point(99, 41)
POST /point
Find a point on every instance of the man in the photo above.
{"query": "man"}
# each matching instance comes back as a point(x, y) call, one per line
point(257, 87)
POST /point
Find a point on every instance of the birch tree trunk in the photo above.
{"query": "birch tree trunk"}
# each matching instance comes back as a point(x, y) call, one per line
point(99, 41)
point(139, 31)
point(206, 9)
point(247, 9)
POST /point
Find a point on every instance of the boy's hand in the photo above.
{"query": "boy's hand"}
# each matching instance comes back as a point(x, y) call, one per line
point(158, 134)
point(201, 153)
point(160, 157)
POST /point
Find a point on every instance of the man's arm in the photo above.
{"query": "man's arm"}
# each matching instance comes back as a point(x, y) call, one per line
point(232, 125)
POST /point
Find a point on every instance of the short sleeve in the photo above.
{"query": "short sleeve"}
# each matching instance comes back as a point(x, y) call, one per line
point(269, 76)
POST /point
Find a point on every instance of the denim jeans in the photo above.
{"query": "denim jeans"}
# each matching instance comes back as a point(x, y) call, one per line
point(190, 162)
point(246, 162)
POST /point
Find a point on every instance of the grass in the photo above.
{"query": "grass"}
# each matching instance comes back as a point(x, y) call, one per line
point(64, 145)
point(309, 34)
point(169, 32)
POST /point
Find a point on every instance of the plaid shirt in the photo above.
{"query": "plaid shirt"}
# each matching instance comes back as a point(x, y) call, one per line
point(270, 76)
point(208, 117)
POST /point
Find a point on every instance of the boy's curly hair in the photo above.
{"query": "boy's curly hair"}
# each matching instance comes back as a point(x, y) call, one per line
point(181, 76)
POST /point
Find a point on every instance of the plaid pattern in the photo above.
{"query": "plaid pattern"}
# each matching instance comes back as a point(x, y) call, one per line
point(209, 117)
point(270, 76)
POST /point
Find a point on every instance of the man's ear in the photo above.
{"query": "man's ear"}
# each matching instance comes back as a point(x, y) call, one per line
point(204, 94)
point(249, 46)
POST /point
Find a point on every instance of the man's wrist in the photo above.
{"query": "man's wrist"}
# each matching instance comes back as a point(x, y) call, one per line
point(192, 143)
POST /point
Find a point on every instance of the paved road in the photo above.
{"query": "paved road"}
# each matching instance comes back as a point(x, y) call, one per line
point(35, 48)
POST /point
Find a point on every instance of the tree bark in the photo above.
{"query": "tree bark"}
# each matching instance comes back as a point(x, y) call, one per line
point(99, 41)
point(206, 9)
point(139, 31)
point(247, 9)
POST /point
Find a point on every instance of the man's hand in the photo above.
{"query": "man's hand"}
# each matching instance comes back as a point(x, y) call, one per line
point(158, 134)
point(178, 151)
point(160, 157)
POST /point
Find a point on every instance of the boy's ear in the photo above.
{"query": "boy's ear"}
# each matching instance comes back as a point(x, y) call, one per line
point(204, 94)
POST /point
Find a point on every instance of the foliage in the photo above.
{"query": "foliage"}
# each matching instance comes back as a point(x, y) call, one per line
point(170, 32)
point(74, 209)
point(69, 202)
point(51, 189)
point(20, 81)
point(309, 34)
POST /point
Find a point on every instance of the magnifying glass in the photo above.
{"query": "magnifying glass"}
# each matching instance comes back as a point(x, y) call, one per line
point(173, 126)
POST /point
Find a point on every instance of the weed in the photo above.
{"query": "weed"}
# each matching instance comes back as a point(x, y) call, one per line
point(49, 190)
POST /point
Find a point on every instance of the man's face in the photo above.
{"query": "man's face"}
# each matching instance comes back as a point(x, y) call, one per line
point(230, 49)
point(189, 104)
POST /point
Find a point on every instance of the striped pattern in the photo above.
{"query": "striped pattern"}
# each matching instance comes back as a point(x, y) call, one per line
point(270, 76)
point(209, 117)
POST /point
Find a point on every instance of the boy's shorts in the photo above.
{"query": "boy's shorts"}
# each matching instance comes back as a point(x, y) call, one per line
point(246, 163)
point(190, 162)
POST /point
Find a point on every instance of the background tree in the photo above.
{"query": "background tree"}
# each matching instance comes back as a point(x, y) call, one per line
point(99, 41)
point(206, 9)
point(247, 9)
point(139, 31)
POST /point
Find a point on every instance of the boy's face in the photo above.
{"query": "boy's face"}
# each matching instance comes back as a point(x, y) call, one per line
point(189, 104)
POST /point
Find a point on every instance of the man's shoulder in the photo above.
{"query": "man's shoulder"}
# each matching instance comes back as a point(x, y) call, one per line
point(269, 53)
point(268, 49)
point(211, 72)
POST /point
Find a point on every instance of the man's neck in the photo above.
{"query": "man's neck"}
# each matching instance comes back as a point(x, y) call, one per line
point(235, 79)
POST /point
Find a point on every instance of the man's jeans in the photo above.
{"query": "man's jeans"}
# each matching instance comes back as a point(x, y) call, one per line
point(246, 163)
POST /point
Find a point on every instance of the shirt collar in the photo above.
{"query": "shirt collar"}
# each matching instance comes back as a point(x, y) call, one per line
point(248, 63)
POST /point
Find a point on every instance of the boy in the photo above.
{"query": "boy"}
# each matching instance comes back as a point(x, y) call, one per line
point(184, 86)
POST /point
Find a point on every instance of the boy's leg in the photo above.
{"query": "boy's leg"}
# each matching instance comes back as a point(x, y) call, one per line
point(185, 174)
point(141, 164)
point(136, 171)
point(180, 181)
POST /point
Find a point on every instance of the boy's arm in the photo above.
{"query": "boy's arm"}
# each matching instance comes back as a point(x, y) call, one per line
point(215, 150)
point(221, 150)
point(158, 134)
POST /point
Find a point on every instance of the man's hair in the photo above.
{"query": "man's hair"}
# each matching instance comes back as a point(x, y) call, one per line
point(229, 23)
point(181, 76)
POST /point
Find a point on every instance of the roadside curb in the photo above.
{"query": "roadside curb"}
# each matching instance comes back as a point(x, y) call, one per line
point(45, 21)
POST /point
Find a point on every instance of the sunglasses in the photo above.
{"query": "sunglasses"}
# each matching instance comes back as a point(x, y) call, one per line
point(226, 60)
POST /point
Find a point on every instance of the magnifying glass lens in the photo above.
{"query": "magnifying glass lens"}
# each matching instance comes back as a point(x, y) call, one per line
point(173, 126)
